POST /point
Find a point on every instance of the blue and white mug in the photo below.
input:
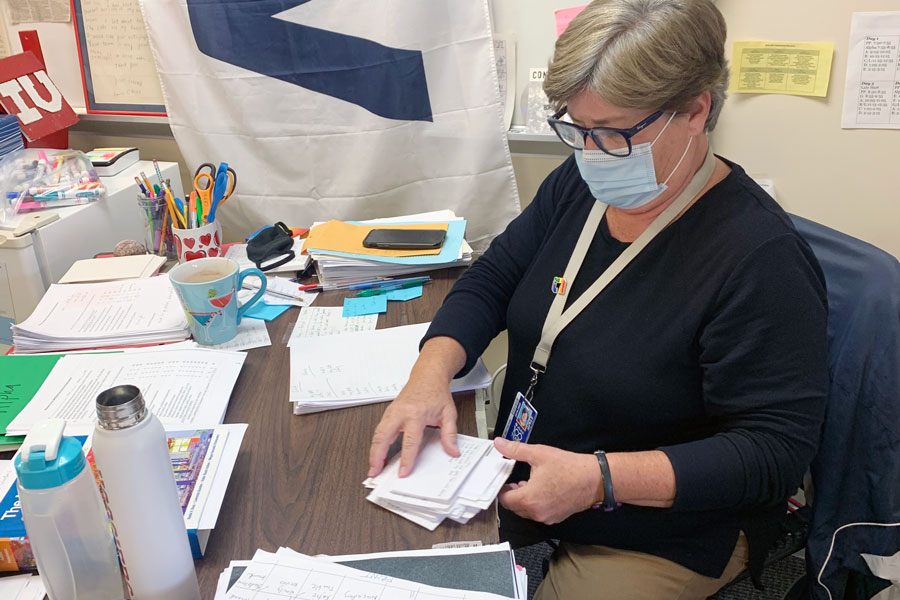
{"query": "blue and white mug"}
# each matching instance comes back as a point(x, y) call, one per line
point(208, 290)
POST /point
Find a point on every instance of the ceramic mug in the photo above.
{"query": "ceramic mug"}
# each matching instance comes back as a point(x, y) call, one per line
point(199, 242)
point(207, 288)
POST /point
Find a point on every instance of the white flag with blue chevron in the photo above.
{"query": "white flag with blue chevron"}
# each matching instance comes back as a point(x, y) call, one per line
point(339, 109)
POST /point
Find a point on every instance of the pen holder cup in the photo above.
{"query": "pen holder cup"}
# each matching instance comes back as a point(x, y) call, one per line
point(200, 242)
point(157, 226)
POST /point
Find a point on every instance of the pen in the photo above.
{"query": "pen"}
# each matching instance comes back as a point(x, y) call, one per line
point(387, 288)
point(141, 185)
point(379, 284)
point(385, 283)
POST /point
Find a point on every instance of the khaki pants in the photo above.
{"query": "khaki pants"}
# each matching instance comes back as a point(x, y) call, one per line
point(601, 573)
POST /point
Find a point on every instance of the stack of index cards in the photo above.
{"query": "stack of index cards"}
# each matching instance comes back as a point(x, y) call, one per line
point(441, 486)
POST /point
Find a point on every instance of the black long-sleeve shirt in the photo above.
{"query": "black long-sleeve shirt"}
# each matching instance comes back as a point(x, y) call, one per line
point(709, 346)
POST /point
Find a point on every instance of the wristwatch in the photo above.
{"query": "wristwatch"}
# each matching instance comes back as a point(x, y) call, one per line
point(609, 501)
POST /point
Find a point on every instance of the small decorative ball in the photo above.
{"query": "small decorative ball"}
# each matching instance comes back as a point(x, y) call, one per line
point(129, 248)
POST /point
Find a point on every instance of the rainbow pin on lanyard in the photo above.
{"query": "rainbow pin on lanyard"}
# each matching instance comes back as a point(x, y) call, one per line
point(558, 286)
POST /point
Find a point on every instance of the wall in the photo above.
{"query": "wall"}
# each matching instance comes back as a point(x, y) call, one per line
point(846, 179)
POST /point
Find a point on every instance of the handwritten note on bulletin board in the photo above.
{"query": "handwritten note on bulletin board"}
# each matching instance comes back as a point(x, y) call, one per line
point(118, 71)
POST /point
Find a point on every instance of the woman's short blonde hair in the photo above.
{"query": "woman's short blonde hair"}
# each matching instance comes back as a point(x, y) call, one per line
point(646, 54)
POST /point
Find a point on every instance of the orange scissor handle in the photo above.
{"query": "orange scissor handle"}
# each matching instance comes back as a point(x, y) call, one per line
point(203, 185)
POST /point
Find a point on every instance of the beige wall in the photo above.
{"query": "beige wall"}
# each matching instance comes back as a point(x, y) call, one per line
point(846, 179)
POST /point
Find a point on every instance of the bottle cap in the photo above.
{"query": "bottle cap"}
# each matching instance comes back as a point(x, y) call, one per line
point(120, 407)
point(48, 459)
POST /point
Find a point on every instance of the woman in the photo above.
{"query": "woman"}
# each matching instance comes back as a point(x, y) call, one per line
point(684, 392)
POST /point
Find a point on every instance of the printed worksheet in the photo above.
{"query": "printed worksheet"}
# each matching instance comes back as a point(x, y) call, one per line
point(294, 576)
point(793, 68)
point(872, 89)
point(183, 388)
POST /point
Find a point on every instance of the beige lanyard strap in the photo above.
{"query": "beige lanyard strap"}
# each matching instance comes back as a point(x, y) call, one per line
point(557, 318)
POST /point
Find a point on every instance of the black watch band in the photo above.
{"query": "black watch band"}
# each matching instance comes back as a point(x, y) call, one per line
point(609, 500)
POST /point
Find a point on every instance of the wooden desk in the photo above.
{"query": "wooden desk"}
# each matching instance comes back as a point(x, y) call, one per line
point(298, 479)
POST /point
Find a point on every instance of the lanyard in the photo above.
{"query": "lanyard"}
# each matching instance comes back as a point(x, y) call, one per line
point(557, 318)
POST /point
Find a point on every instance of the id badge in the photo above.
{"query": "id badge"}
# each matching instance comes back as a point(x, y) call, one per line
point(521, 420)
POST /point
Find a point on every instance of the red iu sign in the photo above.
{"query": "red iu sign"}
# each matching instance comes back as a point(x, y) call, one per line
point(26, 91)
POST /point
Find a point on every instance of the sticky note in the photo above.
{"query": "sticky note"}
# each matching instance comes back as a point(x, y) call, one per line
point(266, 312)
point(405, 294)
point(564, 16)
point(368, 305)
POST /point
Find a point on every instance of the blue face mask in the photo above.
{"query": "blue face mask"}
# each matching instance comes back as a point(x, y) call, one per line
point(625, 181)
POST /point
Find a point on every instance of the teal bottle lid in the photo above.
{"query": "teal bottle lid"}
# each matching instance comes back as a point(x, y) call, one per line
point(47, 459)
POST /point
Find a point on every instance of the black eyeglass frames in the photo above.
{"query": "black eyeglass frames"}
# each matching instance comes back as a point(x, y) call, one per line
point(613, 141)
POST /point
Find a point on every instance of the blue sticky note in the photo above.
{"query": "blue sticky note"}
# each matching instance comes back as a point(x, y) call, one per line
point(405, 294)
point(367, 305)
point(266, 312)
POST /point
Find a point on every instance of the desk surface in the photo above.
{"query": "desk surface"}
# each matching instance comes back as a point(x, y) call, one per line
point(298, 479)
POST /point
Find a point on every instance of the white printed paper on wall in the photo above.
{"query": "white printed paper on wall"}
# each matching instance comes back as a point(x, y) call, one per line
point(872, 88)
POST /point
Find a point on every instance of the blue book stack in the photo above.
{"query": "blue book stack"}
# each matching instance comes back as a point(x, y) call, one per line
point(10, 135)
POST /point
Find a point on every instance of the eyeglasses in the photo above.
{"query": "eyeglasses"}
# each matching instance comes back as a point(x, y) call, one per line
point(613, 141)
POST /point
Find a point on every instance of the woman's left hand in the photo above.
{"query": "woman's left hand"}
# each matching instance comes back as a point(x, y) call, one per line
point(562, 483)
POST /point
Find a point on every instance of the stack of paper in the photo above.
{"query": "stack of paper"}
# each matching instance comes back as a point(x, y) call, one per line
point(442, 486)
point(101, 315)
point(287, 573)
point(93, 270)
point(184, 388)
point(344, 267)
point(337, 371)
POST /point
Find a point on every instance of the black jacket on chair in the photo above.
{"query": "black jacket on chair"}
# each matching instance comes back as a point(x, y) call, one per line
point(856, 473)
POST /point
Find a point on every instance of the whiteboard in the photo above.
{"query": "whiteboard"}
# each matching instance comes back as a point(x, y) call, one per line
point(118, 71)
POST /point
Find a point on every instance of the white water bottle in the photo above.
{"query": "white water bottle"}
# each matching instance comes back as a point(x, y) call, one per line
point(64, 516)
point(131, 452)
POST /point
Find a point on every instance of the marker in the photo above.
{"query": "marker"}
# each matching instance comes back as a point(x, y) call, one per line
point(68, 195)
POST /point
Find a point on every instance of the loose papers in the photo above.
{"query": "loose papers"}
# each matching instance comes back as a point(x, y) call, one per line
point(337, 371)
point(252, 333)
point(872, 92)
point(288, 574)
point(315, 321)
point(442, 486)
point(183, 388)
point(98, 315)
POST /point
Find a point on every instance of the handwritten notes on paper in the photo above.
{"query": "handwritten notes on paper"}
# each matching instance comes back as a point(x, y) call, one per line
point(315, 321)
point(39, 11)
point(505, 58)
point(121, 65)
point(872, 89)
point(794, 68)
point(252, 333)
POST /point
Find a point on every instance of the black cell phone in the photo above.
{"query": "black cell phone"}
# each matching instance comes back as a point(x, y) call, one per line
point(404, 239)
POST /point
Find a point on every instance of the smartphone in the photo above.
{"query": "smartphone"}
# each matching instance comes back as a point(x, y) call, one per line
point(404, 239)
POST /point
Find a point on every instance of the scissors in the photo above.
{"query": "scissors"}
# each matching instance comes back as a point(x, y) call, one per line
point(213, 187)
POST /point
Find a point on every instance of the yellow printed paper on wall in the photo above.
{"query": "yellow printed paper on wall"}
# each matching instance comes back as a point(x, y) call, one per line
point(795, 68)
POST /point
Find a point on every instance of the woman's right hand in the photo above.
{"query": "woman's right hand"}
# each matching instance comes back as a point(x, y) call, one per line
point(424, 401)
